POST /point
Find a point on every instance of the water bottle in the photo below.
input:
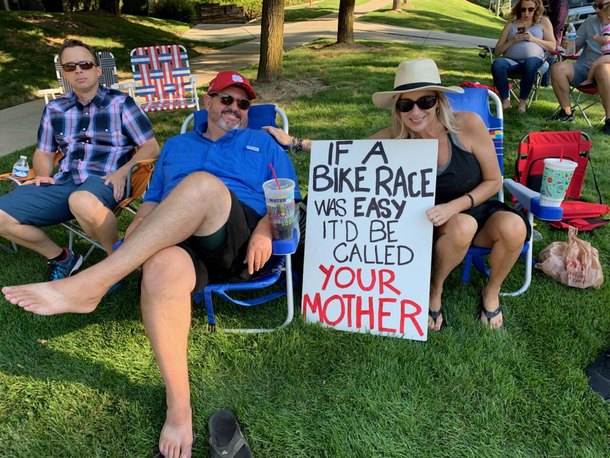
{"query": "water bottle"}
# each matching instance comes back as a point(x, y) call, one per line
point(571, 39)
point(21, 168)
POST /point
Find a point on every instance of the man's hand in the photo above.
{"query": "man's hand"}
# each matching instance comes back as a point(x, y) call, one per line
point(118, 180)
point(259, 251)
point(38, 180)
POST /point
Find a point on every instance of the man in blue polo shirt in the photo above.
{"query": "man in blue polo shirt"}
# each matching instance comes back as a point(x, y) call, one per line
point(203, 219)
point(96, 129)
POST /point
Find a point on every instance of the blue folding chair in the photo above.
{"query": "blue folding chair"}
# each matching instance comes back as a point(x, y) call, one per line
point(280, 262)
point(477, 101)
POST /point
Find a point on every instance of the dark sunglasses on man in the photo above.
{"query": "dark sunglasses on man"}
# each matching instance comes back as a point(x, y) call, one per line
point(84, 65)
point(424, 103)
point(228, 100)
point(600, 6)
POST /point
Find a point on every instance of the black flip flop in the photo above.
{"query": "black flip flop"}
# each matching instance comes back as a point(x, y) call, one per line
point(226, 439)
point(599, 375)
point(434, 315)
point(491, 315)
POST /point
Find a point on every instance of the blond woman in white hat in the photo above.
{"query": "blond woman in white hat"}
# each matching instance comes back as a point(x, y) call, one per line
point(468, 176)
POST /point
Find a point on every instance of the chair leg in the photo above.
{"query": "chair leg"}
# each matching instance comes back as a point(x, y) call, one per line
point(13, 250)
point(528, 263)
point(466, 270)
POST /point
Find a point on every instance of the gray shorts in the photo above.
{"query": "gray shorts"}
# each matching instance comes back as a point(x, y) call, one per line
point(580, 74)
point(47, 204)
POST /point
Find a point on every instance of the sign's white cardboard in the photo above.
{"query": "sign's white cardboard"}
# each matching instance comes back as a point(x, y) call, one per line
point(369, 242)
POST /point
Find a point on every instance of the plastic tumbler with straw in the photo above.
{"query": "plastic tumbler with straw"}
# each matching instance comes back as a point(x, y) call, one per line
point(556, 180)
point(281, 209)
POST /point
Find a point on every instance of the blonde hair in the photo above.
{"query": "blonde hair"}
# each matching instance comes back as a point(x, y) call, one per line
point(515, 12)
point(443, 111)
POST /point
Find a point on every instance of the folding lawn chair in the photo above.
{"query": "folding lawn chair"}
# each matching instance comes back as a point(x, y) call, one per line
point(585, 98)
point(477, 100)
point(137, 181)
point(163, 78)
point(515, 77)
point(280, 262)
point(109, 76)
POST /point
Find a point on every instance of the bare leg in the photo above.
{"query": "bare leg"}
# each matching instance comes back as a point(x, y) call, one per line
point(199, 205)
point(97, 221)
point(602, 77)
point(168, 277)
point(452, 243)
point(504, 233)
point(562, 74)
point(522, 106)
point(30, 237)
point(506, 103)
point(591, 74)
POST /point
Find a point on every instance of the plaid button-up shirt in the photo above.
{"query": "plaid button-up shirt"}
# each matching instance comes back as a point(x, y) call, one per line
point(95, 139)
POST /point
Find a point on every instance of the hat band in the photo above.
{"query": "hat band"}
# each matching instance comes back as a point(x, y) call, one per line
point(408, 87)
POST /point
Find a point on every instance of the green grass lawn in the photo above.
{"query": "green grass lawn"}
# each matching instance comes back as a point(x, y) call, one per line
point(452, 16)
point(30, 40)
point(320, 8)
point(87, 385)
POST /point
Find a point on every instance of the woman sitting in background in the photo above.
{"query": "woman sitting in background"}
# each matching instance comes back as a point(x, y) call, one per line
point(523, 42)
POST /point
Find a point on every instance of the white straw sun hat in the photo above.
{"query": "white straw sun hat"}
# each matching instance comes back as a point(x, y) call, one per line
point(413, 75)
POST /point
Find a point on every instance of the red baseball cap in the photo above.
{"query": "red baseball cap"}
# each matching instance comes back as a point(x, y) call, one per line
point(225, 79)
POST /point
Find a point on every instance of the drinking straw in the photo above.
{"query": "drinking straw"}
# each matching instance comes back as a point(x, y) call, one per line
point(278, 181)
point(561, 157)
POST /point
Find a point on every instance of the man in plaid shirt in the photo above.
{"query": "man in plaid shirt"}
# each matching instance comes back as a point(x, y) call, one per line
point(96, 129)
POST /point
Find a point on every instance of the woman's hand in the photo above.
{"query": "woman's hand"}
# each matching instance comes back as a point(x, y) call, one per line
point(282, 137)
point(526, 36)
point(440, 214)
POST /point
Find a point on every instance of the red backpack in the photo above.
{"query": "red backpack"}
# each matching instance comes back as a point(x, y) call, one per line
point(572, 145)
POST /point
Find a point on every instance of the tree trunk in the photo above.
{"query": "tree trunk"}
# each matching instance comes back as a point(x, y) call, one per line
point(272, 41)
point(66, 8)
point(110, 6)
point(345, 30)
point(396, 5)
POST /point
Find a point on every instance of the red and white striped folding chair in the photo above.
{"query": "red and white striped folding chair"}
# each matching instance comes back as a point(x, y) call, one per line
point(163, 78)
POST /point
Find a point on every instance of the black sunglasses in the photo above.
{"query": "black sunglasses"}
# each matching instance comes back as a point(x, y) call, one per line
point(84, 65)
point(424, 103)
point(228, 100)
point(531, 9)
point(599, 6)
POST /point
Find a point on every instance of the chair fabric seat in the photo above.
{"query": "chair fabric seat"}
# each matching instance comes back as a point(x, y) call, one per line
point(164, 105)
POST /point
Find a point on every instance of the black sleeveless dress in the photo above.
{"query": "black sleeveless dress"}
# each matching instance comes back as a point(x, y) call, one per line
point(461, 174)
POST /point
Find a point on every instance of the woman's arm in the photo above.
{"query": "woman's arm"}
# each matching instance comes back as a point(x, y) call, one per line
point(297, 144)
point(475, 138)
point(547, 42)
point(503, 44)
point(384, 134)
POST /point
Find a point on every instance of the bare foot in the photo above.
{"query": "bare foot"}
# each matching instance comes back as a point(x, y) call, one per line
point(435, 306)
point(176, 437)
point(586, 82)
point(491, 303)
point(506, 104)
point(522, 106)
point(69, 295)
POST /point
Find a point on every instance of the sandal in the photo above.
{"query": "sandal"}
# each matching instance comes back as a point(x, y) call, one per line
point(434, 315)
point(490, 315)
point(226, 439)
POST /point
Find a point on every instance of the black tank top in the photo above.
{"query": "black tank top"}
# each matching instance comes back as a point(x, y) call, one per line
point(459, 175)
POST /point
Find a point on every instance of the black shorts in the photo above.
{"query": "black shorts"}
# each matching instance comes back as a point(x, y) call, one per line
point(225, 265)
point(482, 212)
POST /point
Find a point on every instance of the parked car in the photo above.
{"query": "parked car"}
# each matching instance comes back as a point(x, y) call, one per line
point(579, 11)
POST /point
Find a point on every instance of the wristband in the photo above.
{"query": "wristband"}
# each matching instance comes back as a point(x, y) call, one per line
point(471, 201)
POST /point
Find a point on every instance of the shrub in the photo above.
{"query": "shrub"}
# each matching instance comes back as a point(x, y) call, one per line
point(135, 7)
point(178, 10)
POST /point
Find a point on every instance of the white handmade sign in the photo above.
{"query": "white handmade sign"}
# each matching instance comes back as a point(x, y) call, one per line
point(369, 242)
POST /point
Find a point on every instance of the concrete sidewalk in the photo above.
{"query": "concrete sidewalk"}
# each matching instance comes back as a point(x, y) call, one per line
point(19, 124)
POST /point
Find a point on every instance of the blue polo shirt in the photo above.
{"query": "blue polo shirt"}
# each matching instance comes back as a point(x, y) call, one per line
point(240, 159)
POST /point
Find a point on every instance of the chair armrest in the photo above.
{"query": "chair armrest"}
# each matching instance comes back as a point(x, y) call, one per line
point(487, 50)
point(132, 168)
point(194, 79)
point(50, 91)
point(129, 84)
point(9, 177)
point(289, 246)
point(531, 201)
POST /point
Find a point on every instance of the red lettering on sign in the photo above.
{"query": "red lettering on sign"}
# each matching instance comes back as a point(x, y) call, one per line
point(360, 312)
point(373, 278)
point(315, 306)
point(328, 301)
point(381, 313)
point(349, 298)
point(404, 315)
point(327, 273)
point(387, 282)
point(352, 277)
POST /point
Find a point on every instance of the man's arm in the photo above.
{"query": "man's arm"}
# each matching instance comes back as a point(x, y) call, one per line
point(141, 214)
point(43, 164)
point(148, 150)
point(259, 246)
